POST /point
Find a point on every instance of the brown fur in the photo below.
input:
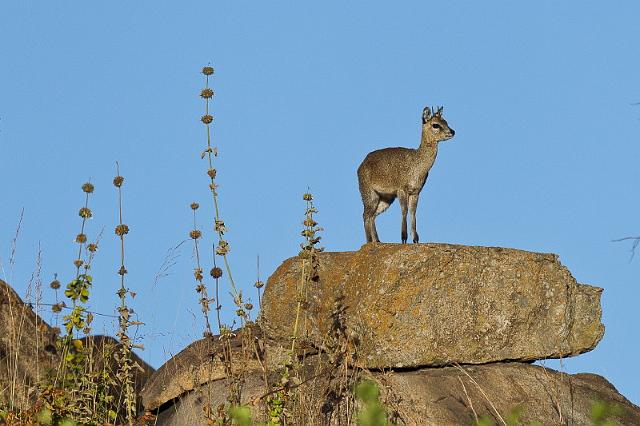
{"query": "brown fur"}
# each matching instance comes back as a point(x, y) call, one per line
point(390, 173)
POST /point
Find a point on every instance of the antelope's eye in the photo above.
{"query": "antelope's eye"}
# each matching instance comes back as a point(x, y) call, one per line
point(436, 126)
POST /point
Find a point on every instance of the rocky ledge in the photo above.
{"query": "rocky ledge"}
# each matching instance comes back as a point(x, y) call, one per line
point(435, 304)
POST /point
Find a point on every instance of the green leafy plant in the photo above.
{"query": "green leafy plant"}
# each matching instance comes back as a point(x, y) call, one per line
point(77, 291)
point(83, 389)
point(70, 393)
point(372, 412)
point(602, 413)
point(275, 403)
point(240, 415)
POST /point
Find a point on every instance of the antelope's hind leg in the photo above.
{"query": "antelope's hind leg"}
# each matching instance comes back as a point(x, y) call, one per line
point(371, 200)
point(403, 198)
point(374, 204)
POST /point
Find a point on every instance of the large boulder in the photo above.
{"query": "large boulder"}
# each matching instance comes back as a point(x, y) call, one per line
point(436, 304)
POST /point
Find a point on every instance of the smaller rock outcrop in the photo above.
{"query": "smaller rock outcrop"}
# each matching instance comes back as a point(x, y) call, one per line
point(435, 304)
point(28, 352)
point(202, 362)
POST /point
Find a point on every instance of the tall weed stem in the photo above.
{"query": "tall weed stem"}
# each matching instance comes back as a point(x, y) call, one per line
point(123, 356)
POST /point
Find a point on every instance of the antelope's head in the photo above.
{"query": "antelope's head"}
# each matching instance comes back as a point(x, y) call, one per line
point(435, 125)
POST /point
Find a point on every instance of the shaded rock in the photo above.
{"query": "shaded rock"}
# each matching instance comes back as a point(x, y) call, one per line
point(435, 304)
point(437, 396)
point(27, 349)
point(28, 353)
point(542, 395)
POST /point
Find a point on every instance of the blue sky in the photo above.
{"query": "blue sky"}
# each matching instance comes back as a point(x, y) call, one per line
point(545, 156)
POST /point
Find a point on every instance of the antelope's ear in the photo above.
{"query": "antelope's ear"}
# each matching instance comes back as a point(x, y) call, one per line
point(426, 114)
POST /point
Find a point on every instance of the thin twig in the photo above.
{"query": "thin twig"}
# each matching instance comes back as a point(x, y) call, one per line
point(263, 362)
point(14, 245)
point(17, 330)
point(258, 281)
point(293, 386)
point(464, 388)
point(169, 261)
point(636, 242)
point(198, 274)
point(481, 391)
point(67, 307)
point(555, 401)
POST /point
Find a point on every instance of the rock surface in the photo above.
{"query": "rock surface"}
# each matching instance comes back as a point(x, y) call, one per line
point(200, 363)
point(444, 396)
point(27, 349)
point(435, 304)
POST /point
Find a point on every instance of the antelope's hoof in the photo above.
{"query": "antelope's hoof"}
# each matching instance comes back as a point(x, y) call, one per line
point(416, 239)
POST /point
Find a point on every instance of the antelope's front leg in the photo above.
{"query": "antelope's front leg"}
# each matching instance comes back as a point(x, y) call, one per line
point(413, 205)
point(402, 197)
